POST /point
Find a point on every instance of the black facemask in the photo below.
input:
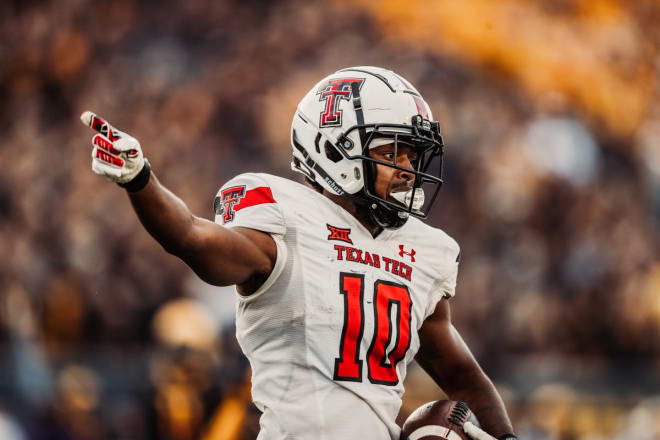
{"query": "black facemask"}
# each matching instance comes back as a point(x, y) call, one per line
point(424, 137)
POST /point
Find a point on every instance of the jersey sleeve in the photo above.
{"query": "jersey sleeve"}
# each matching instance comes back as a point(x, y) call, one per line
point(247, 200)
point(447, 272)
point(446, 284)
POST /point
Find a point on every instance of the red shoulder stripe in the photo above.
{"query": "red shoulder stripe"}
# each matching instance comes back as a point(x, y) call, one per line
point(255, 196)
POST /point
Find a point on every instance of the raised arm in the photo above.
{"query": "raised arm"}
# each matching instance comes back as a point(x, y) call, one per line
point(446, 358)
point(218, 255)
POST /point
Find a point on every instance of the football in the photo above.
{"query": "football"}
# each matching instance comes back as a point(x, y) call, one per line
point(438, 420)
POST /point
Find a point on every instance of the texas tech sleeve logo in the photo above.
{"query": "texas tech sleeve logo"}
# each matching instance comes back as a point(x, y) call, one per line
point(332, 93)
point(237, 197)
point(229, 198)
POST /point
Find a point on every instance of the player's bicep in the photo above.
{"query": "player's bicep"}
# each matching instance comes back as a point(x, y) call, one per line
point(435, 334)
point(225, 256)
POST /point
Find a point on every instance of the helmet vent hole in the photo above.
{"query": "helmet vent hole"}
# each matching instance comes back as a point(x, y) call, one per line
point(316, 142)
point(356, 172)
point(332, 153)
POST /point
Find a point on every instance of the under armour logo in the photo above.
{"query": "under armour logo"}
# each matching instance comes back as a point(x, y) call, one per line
point(411, 254)
point(340, 234)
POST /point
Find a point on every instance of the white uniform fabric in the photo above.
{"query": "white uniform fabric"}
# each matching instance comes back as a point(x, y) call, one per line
point(292, 328)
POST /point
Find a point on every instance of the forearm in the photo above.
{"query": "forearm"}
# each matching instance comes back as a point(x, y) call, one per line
point(220, 256)
point(164, 215)
point(447, 359)
point(477, 390)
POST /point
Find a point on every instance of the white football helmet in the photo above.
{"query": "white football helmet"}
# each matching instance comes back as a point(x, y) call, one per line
point(356, 109)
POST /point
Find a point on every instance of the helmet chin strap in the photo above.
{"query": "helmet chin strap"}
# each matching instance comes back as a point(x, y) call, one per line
point(386, 217)
point(379, 213)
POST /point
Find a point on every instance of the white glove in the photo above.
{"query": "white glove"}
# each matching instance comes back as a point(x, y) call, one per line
point(477, 433)
point(115, 154)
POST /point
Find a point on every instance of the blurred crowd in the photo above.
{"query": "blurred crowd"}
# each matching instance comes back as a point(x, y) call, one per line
point(551, 116)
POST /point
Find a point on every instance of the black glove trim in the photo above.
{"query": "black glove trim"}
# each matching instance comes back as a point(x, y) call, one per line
point(139, 181)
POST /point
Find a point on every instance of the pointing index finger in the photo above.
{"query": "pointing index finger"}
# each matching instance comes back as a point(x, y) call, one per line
point(96, 123)
point(91, 120)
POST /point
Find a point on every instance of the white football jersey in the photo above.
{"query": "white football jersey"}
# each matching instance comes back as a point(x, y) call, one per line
point(330, 333)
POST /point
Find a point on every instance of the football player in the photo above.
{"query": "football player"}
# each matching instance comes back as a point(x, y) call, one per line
point(339, 283)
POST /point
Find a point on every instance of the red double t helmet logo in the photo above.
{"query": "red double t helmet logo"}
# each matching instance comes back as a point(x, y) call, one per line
point(332, 93)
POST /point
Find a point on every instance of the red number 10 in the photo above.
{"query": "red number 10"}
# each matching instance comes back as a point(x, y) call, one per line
point(381, 365)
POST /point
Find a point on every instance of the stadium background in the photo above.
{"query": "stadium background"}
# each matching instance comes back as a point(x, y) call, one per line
point(551, 116)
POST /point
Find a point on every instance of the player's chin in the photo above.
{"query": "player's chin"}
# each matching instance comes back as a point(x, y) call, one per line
point(396, 203)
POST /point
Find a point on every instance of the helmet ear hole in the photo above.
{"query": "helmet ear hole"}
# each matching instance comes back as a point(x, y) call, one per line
point(331, 152)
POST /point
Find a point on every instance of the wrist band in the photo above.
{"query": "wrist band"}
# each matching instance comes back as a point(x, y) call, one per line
point(139, 181)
